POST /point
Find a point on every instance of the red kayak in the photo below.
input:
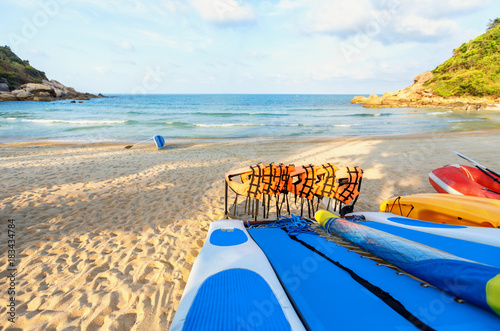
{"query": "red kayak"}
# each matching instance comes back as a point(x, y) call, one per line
point(464, 180)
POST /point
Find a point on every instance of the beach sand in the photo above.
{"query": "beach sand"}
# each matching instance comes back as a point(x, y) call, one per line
point(105, 237)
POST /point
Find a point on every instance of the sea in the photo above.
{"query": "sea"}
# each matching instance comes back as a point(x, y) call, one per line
point(132, 118)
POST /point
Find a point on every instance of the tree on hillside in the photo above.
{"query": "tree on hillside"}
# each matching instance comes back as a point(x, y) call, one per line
point(493, 23)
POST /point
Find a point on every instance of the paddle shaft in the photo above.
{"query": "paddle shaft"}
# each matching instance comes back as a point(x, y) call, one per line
point(140, 142)
point(485, 170)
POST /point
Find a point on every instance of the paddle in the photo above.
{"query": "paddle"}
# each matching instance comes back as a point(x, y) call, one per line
point(130, 146)
point(159, 141)
point(485, 170)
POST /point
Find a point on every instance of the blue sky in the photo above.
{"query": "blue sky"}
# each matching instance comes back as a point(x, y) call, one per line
point(236, 46)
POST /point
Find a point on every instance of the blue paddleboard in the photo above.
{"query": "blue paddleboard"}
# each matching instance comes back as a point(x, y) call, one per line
point(232, 286)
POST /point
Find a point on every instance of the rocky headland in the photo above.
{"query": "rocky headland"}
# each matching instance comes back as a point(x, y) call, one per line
point(469, 80)
point(420, 96)
point(19, 81)
point(45, 91)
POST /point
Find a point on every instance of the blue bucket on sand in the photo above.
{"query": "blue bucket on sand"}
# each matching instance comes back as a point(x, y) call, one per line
point(159, 141)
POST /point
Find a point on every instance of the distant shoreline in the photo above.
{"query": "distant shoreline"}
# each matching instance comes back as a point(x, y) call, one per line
point(207, 118)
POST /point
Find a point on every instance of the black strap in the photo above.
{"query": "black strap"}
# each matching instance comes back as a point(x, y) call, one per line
point(329, 180)
point(308, 182)
point(351, 184)
point(377, 291)
point(267, 179)
point(254, 188)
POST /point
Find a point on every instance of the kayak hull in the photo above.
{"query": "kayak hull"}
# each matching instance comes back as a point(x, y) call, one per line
point(464, 180)
point(446, 209)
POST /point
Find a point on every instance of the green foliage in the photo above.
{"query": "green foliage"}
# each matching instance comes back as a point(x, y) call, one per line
point(493, 23)
point(16, 71)
point(473, 70)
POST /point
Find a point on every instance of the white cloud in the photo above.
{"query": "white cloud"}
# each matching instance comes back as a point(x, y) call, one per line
point(185, 44)
point(415, 27)
point(337, 16)
point(387, 21)
point(443, 8)
point(224, 11)
point(290, 4)
point(101, 70)
point(329, 71)
point(125, 46)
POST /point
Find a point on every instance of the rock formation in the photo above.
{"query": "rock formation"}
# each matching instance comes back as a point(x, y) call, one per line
point(468, 80)
point(419, 96)
point(46, 91)
point(19, 81)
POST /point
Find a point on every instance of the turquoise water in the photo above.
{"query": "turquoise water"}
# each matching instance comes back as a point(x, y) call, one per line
point(136, 117)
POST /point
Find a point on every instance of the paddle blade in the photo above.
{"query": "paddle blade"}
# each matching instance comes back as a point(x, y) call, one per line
point(469, 159)
point(160, 141)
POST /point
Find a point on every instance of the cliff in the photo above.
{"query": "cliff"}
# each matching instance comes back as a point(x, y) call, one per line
point(19, 81)
point(469, 80)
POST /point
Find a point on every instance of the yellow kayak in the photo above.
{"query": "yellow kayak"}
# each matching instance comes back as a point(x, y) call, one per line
point(446, 209)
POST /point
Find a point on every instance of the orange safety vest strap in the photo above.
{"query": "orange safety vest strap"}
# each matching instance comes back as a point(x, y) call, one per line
point(245, 177)
point(269, 180)
point(284, 177)
point(256, 181)
point(347, 182)
point(325, 184)
point(304, 187)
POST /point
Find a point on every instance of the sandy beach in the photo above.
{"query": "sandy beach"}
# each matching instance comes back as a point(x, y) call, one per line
point(105, 237)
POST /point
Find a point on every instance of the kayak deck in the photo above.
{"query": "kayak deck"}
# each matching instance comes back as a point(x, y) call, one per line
point(332, 286)
point(267, 278)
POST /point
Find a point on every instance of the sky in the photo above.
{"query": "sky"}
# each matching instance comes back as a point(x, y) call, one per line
point(237, 46)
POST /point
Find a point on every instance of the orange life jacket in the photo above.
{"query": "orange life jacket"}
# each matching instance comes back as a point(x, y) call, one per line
point(346, 184)
point(302, 181)
point(305, 181)
point(260, 179)
point(276, 180)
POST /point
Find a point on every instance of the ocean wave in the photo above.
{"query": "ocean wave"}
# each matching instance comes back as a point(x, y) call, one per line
point(177, 124)
point(368, 115)
point(135, 112)
point(216, 114)
point(78, 122)
point(223, 125)
point(440, 112)
point(83, 128)
point(292, 125)
point(233, 114)
point(460, 120)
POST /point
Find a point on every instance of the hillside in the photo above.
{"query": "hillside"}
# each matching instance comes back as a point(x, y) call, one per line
point(19, 81)
point(473, 70)
point(16, 71)
point(469, 80)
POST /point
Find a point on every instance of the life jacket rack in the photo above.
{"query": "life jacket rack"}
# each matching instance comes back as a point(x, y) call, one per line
point(260, 183)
